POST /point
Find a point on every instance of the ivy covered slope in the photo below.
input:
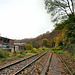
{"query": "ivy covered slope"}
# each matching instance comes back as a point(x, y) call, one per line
point(67, 31)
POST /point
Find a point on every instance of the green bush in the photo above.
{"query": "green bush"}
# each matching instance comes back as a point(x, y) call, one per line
point(28, 47)
point(39, 49)
point(45, 42)
point(54, 48)
point(60, 43)
point(35, 50)
point(73, 53)
point(1, 53)
point(21, 52)
point(43, 48)
point(58, 51)
point(6, 53)
point(61, 47)
point(70, 48)
point(52, 43)
point(24, 52)
point(18, 55)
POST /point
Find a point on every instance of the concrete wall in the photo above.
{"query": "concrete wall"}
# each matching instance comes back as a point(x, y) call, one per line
point(17, 48)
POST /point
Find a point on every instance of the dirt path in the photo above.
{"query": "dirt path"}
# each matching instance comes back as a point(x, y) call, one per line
point(56, 67)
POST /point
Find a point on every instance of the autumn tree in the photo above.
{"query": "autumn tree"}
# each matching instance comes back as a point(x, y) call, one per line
point(28, 47)
point(45, 42)
point(60, 9)
point(52, 43)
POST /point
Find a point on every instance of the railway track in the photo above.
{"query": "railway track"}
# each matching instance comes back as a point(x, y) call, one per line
point(39, 64)
point(15, 68)
point(65, 65)
point(45, 66)
point(36, 66)
point(48, 71)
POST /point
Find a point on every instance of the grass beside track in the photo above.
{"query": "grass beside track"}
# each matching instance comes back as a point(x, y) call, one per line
point(8, 56)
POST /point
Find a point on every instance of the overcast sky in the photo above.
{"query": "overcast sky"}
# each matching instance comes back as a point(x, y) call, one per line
point(23, 19)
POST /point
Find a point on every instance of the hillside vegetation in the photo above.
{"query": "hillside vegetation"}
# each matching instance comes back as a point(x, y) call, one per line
point(63, 36)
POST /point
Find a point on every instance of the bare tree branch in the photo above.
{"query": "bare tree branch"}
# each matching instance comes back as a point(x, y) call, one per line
point(69, 6)
point(72, 6)
point(62, 8)
point(66, 6)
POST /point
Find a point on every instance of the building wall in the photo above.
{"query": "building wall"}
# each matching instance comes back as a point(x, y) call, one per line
point(11, 42)
point(16, 48)
point(0, 45)
point(12, 49)
point(6, 44)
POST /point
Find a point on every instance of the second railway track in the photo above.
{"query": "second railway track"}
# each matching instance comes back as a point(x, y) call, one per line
point(55, 66)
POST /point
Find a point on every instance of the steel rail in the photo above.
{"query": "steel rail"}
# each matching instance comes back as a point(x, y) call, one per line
point(65, 65)
point(17, 62)
point(30, 63)
point(45, 70)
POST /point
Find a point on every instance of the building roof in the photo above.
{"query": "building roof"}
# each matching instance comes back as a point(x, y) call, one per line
point(5, 38)
point(19, 44)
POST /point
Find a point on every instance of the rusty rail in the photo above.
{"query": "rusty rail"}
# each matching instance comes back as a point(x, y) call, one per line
point(30, 63)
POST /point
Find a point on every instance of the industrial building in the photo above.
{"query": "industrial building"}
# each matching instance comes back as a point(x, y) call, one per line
point(6, 44)
point(19, 46)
